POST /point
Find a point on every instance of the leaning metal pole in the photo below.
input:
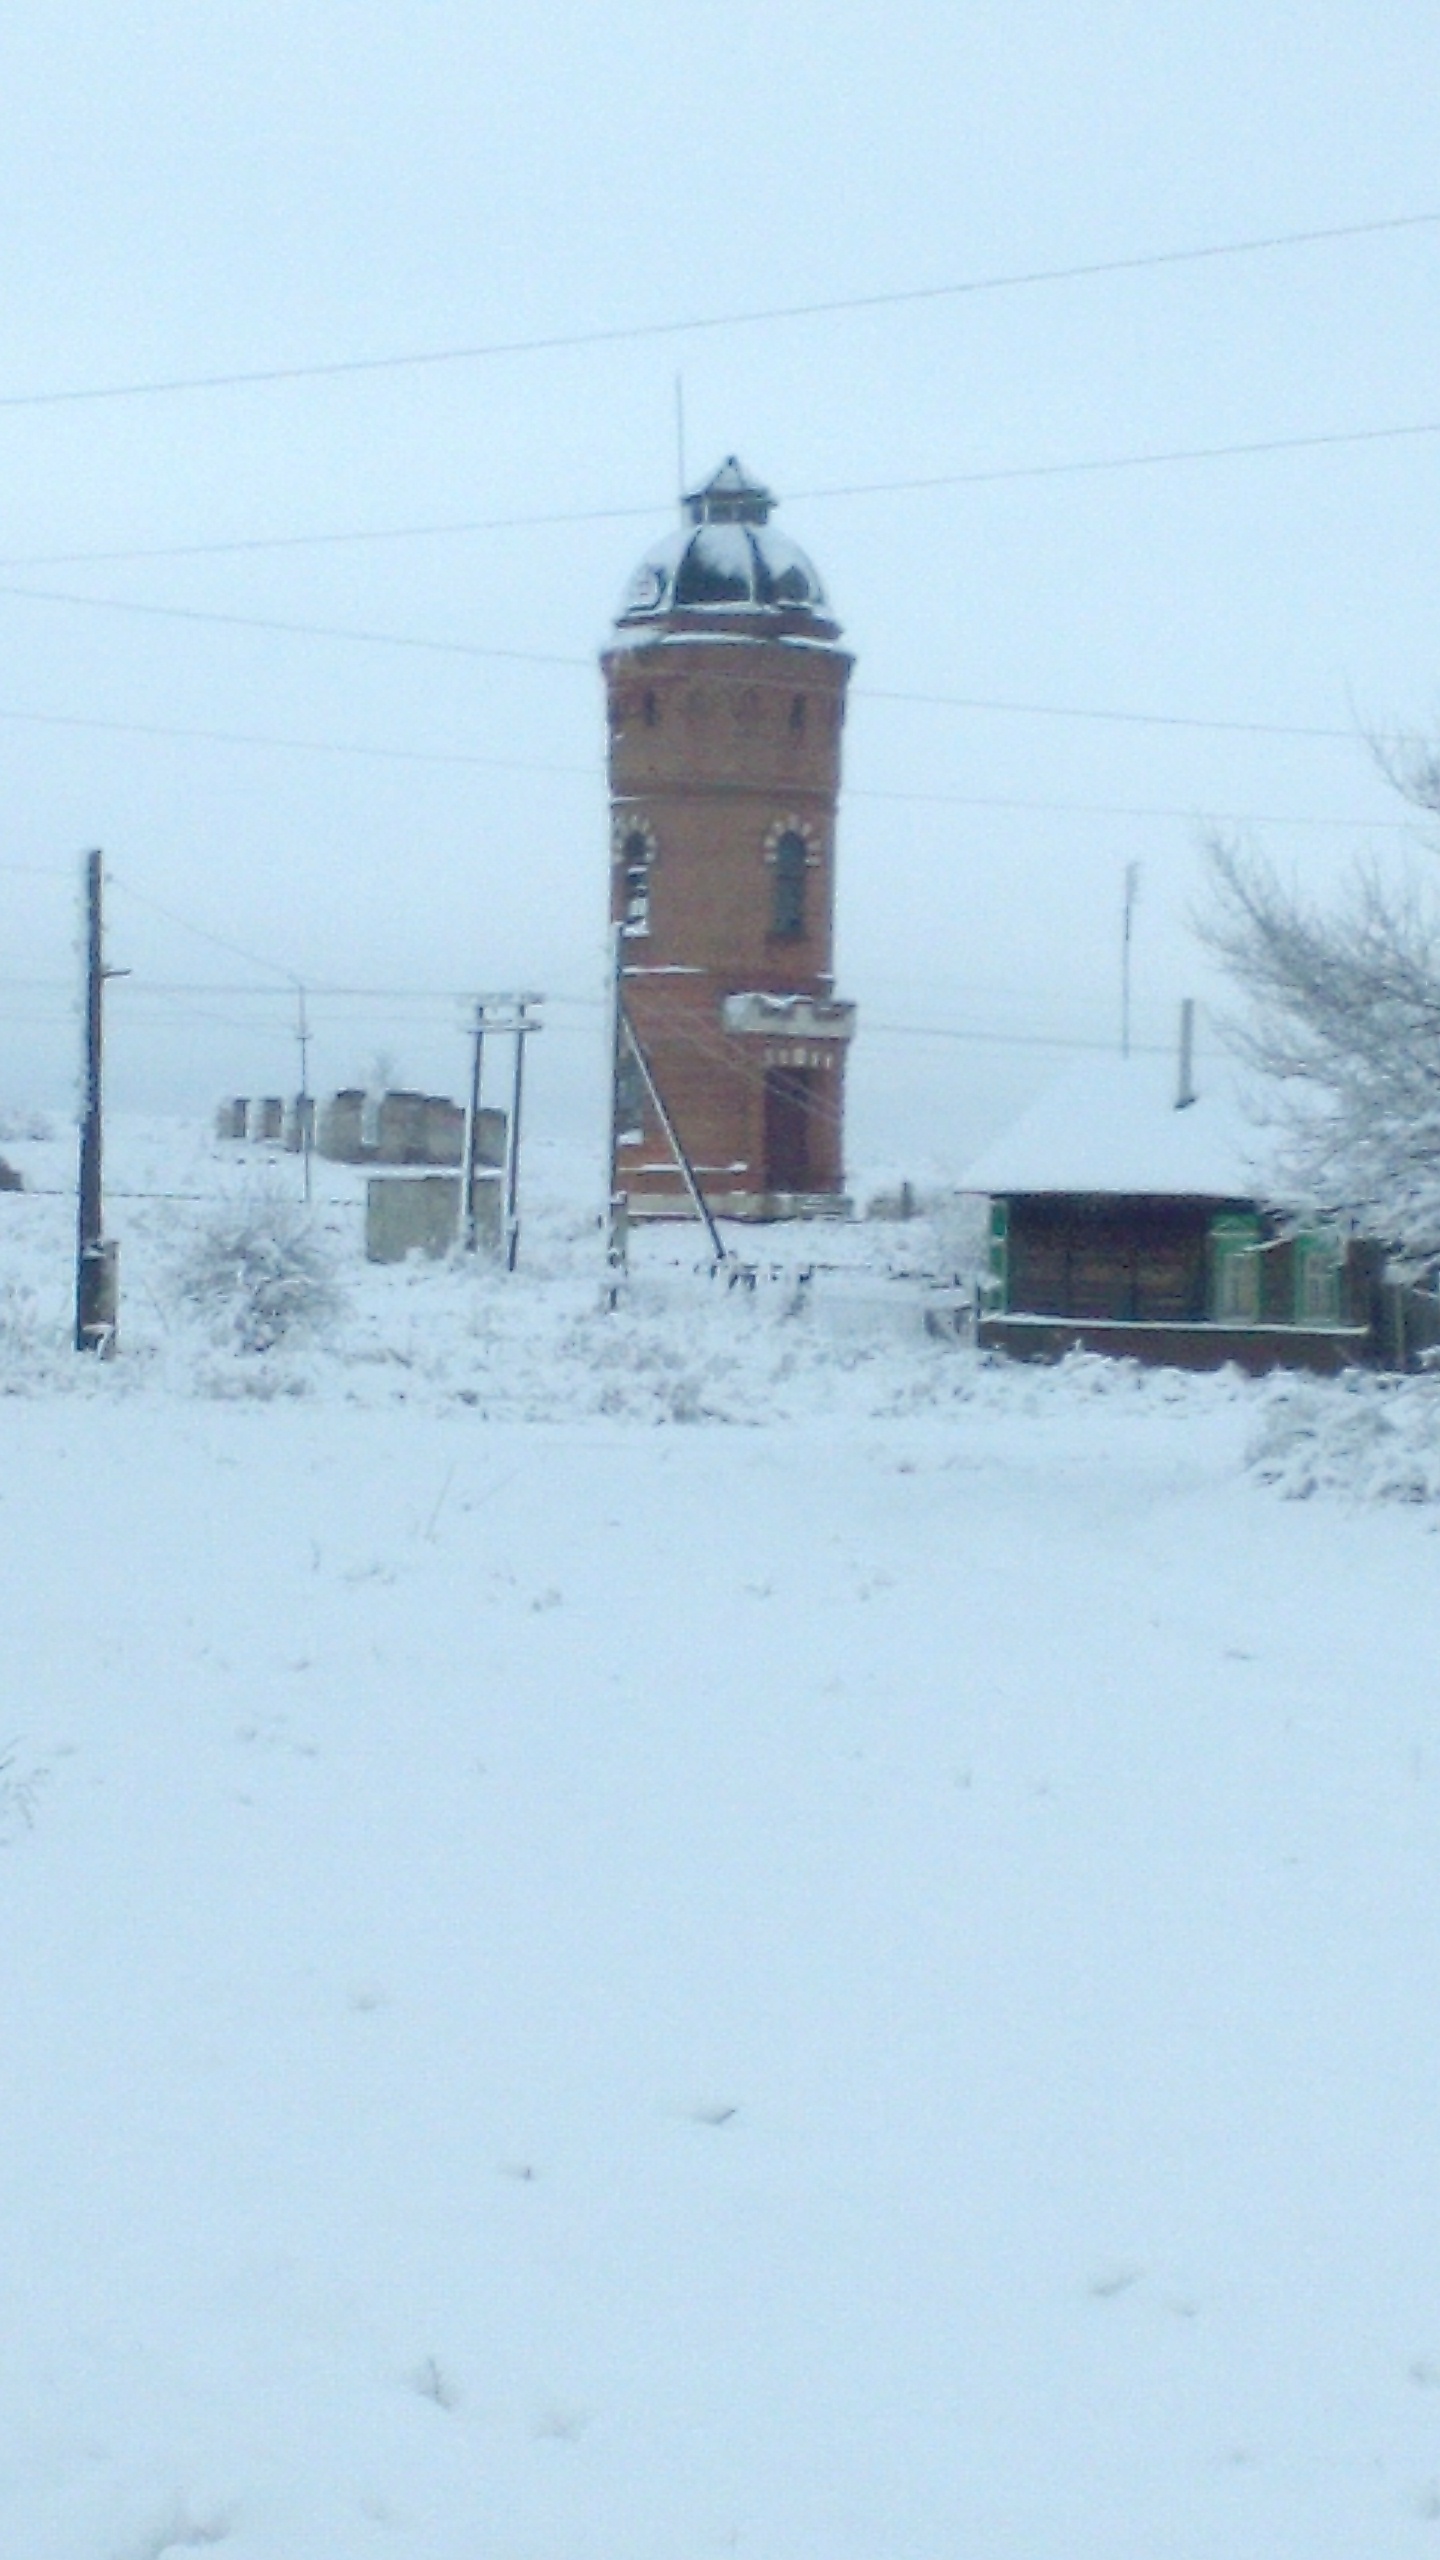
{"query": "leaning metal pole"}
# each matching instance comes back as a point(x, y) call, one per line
point(617, 1224)
point(698, 1201)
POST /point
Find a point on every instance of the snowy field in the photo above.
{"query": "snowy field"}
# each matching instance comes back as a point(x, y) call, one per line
point(711, 1927)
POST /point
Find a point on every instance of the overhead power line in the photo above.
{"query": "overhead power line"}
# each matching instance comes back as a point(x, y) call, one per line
point(318, 990)
point(448, 999)
point(1085, 466)
point(1194, 815)
point(693, 324)
point(1144, 812)
point(242, 543)
point(1123, 719)
point(299, 746)
point(202, 933)
point(1015, 1039)
point(556, 658)
point(296, 630)
point(1153, 459)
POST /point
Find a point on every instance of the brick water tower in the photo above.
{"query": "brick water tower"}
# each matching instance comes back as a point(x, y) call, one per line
point(726, 695)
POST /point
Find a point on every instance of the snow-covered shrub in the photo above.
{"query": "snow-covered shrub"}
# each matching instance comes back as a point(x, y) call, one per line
point(960, 1226)
point(1375, 1439)
point(18, 1319)
point(257, 1274)
point(35, 1347)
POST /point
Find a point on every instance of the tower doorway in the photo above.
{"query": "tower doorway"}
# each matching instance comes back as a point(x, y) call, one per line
point(790, 1099)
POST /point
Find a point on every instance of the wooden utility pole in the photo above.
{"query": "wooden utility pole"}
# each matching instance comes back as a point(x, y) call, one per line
point(96, 1276)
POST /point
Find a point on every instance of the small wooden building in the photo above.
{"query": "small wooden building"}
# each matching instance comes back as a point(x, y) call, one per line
point(1123, 1220)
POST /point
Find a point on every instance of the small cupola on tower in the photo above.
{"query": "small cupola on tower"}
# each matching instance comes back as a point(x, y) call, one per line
point(726, 698)
point(730, 496)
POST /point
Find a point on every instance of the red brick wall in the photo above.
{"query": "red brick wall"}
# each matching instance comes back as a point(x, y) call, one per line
point(716, 746)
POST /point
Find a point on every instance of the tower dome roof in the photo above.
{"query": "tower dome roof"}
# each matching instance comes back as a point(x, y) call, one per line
point(726, 560)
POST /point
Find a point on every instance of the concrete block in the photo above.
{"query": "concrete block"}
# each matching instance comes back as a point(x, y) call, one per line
point(411, 1213)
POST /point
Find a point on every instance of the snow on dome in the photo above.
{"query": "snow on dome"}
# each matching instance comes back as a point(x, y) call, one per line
point(726, 559)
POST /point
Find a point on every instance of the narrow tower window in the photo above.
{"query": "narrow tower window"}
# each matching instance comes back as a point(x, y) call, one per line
point(629, 1100)
point(636, 855)
point(797, 716)
point(787, 888)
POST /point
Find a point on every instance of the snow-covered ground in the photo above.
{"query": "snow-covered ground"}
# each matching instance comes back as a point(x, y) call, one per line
point(709, 1927)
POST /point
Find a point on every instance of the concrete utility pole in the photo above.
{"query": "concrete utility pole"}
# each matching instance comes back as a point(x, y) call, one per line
point(96, 1272)
point(472, 1130)
point(303, 1102)
point(521, 1028)
point(1185, 1092)
point(1132, 892)
point(512, 1017)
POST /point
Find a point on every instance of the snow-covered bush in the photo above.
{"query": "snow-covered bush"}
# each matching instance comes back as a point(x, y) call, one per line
point(256, 1272)
point(18, 1319)
point(35, 1344)
point(1375, 1439)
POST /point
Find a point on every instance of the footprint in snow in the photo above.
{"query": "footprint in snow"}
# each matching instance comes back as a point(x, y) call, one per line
point(433, 2384)
point(557, 2425)
point(1112, 2282)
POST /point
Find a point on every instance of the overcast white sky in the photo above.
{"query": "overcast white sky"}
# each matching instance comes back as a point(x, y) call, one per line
point(191, 191)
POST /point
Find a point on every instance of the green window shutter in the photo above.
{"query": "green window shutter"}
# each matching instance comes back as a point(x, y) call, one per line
point(998, 1286)
point(1234, 1270)
point(1317, 1280)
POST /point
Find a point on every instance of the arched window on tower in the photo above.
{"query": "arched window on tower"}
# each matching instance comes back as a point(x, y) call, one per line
point(636, 856)
point(787, 888)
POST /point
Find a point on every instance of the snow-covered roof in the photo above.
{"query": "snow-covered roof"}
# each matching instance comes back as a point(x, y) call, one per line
point(1112, 1125)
